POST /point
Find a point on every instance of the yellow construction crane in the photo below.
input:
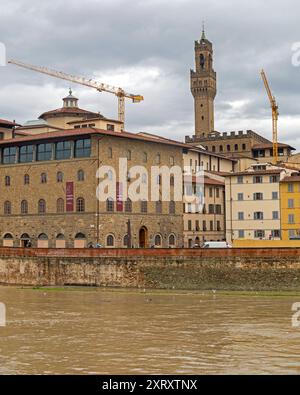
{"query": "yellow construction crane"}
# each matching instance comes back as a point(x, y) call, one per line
point(275, 115)
point(119, 92)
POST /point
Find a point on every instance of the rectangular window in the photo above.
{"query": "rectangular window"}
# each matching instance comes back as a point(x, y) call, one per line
point(291, 219)
point(258, 215)
point(204, 226)
point(241, 216)
point(9, 155)
point(218, 209)
point(210, 192)
point(26, 153)
point(219, 226)
point(275, 233)
point(211, 225)
point(83, 148)
point(197, 225)
point(211, 209)
point(275, 195)
point(217, 192)
point(291, 203)
point(241, 234)
point(63, 150)
point(292, 233)
point(240, 196)
point(275, 215)
point(110, 127)
point(189, 225)
point(259, 234)
point(257, 179)
point(274, 179)
point(44, 152)
point(258, 196)
point(290, 187)
point(240, 179)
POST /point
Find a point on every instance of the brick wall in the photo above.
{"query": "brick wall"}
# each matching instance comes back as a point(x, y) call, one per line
point(230, 269)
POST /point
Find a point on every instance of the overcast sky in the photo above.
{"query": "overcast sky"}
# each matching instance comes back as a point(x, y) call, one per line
point(147, 47)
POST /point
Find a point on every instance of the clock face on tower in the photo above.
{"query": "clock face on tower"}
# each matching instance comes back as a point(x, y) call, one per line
point(202, 61)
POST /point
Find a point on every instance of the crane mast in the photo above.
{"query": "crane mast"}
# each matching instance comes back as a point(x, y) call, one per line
point(275, 115)
point(100, 87)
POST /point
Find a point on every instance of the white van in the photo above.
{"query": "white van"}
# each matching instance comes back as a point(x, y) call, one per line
point(216, 244)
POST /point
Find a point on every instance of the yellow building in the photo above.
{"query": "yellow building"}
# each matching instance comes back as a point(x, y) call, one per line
point(290, 207)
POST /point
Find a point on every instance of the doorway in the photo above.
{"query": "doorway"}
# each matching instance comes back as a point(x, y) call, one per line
point(143, 235)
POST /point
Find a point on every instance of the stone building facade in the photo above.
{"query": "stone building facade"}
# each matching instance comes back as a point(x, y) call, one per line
point(49, 188)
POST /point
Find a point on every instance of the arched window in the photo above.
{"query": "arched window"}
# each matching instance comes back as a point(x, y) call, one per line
point(221, 148)
point(43, 178)
point(213, 148)
point(172, 207)
point(157, 240)
point(26, 179)
point(236, 147)
point(128, 206)
point(80, 175)
point(24, 207)
point(43, 236)
point(110, 241)
point(80, 236)
point(60, 205)
point(7, 181)
point(110, 205)
point(80, 205)
point(172, 241)
point(8, 236)
point(228, 147)
point(60, 236)
point(41, 206)
point(59, 176)
point(7, 207)
point(158, 207)
point(125, 241)
point(144, 206)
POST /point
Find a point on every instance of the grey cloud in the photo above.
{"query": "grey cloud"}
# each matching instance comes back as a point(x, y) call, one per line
point(105, 35)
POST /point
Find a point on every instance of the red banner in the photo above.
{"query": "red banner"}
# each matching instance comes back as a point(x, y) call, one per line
point(70, 196)
point(119, 196)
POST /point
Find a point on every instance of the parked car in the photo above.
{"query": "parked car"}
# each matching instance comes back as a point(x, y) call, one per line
point(216, 244)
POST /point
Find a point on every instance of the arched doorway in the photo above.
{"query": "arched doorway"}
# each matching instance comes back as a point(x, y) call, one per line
point(80, 240)
point(143, 237)
point(25, 240)
point(60, 241)
point(8, 240)
point(42, 241)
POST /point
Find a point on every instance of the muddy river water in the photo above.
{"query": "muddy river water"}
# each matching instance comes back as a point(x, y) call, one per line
point(99, 331)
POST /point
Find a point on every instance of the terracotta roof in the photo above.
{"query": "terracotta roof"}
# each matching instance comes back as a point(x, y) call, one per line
point(68, 110)
point(8, 123)
point(90, 131)
point(263, 146)
point(291, 179)
point(207, 180)
point(255, 172)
